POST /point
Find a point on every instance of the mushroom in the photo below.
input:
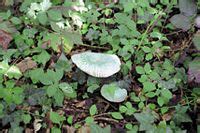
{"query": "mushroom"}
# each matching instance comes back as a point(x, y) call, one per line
point(113, 93)
point(97, 64)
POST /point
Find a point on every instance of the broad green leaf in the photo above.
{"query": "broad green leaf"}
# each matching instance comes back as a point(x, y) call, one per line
point(35, 74)
point(160, 101)
point(93, 110)
point(43, 57)
point(67, 44)
point(56, 130)
point(42, 18)
point(117, 115)
point(59, 97)
point(148, 86)
point(113, 93)
point(146, 120)
point(52, 89)
point(54, 15)
point(140, 70)
point(63, 63)
point(68, 91)
point(56, 118)
point(26, 118)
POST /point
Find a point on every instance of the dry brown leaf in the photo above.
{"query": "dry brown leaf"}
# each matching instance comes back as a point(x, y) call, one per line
point(5, 39)
point(26, 64)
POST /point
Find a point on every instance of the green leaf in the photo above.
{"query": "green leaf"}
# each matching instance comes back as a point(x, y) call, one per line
point(59, 98)
point(160, 101)
point(63, 63)
point(16, 20)
point(116, 115)
point(92, 88)
point(55, 15)
point(43, 57)
point(196, 41)
point(123, 109)
point(146, 49)
point(146, 120)
point(67, 44)
point(166, 93)
point(93, 110)
point(140, 70)
point(26, 118)
point(150, 94)
point(148, 86)
point(55, 130)
point(67, 89)
point(147, 68)
point(36, 74)
point(42, 18)
point(89, 120)
point(56, 118)
point(70, 119)
point(51, 90)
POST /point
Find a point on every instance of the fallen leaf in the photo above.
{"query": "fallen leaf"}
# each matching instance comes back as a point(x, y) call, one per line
point(5, 39)
point(26, 64)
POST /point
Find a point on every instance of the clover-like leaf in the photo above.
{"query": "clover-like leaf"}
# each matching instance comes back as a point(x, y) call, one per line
point(97, 64)
point(113, 93)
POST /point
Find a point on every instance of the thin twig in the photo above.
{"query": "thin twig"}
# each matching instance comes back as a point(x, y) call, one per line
point(106, 119)
point(95, 47)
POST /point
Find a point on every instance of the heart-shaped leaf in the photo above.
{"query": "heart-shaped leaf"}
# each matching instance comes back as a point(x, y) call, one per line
point(113, 93)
